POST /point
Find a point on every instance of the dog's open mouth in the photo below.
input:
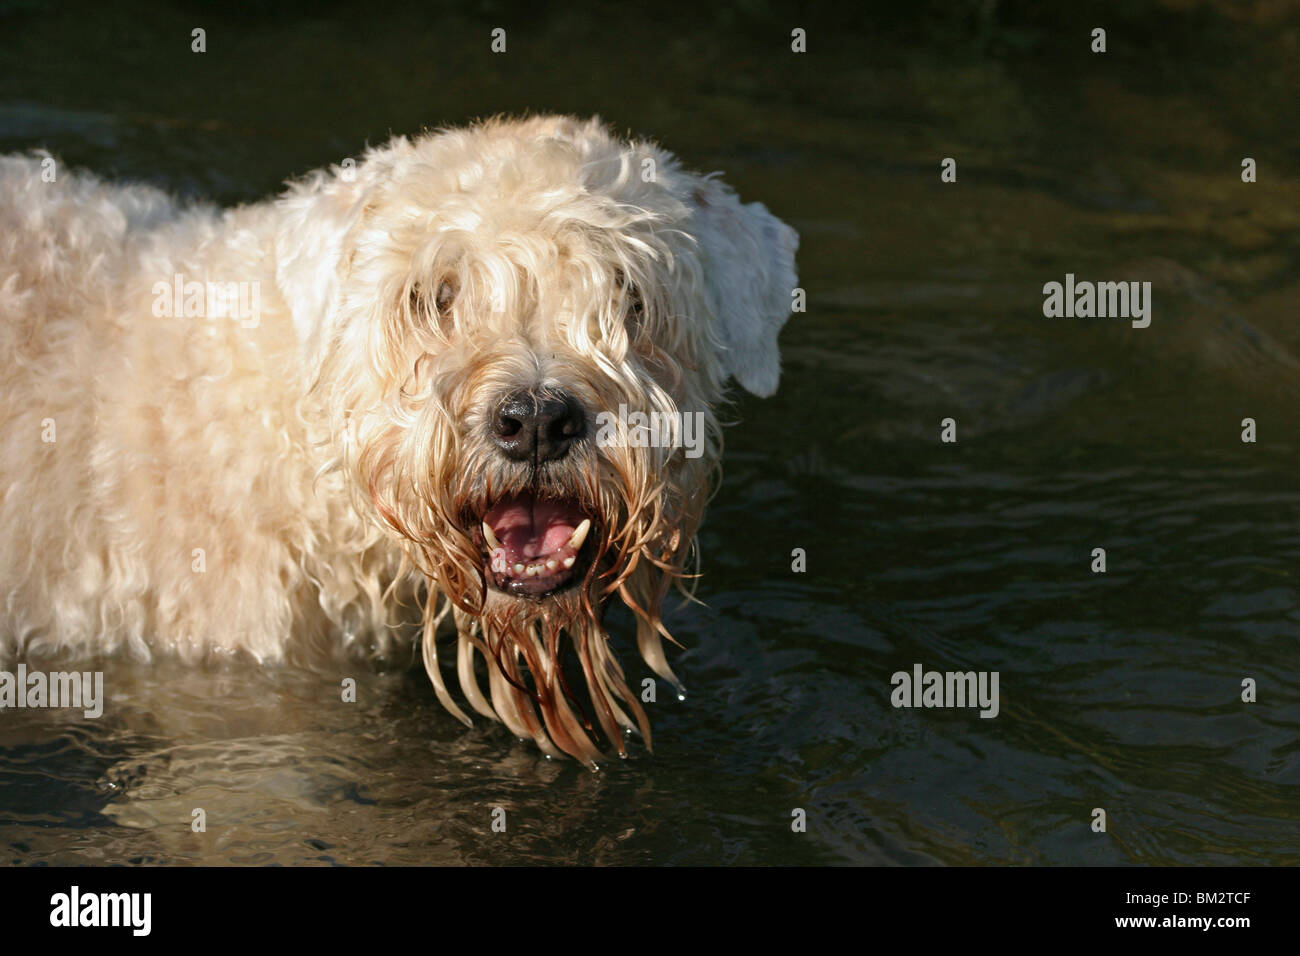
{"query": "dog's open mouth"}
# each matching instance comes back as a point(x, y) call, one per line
point(535, 545)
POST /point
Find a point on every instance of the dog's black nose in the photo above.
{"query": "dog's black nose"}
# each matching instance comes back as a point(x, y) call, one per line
point(542, 426)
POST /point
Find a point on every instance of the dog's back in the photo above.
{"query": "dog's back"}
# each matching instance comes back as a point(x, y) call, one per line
point(134, 431)
point(63, 240)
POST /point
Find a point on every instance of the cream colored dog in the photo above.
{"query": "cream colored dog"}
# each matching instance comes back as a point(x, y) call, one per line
point(413, 381)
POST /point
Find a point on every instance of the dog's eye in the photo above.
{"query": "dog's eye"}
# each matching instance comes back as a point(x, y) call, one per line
point(441, 302)
point(446, 296)
point(631, 296)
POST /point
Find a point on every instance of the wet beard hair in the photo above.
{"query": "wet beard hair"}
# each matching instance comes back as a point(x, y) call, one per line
point(524, 645)
point(641, 545)
point(436, 489)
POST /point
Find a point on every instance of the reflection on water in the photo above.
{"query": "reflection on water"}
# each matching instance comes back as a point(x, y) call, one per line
point(1119, 690)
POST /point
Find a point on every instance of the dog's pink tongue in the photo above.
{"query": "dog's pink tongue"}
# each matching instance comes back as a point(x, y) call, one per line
point(529, 527)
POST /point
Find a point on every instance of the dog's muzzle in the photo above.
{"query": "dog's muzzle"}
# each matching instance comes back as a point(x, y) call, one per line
point(535, 542)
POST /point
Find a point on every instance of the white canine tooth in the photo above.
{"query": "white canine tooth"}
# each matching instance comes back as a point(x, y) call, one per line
point(579, 534)
point(519, 569)
point(552, 564)
point(568, 562)
point(490, 538)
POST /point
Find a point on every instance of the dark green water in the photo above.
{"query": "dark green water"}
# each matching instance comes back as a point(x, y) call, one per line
point(1119, 690)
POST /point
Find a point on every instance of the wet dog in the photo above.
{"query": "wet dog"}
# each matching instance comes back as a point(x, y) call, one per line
point(412, 380)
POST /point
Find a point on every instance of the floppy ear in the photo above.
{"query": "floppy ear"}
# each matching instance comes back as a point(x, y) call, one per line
point(315, 218)
point(749, 275)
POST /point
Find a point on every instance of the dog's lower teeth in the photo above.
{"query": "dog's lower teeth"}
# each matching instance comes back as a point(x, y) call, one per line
point(537, 569)
point(490, 538)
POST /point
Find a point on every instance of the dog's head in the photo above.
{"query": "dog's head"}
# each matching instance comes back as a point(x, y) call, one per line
point(521, 332)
